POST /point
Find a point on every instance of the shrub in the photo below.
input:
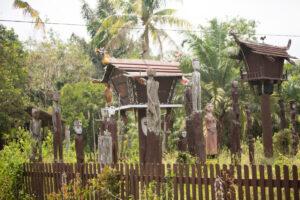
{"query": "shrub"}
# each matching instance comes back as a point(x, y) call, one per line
point(282, 141)
point(12, 157)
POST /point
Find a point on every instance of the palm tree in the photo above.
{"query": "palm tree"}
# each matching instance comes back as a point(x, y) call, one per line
point(218, 70)
point(27, 9)
point(143, 17)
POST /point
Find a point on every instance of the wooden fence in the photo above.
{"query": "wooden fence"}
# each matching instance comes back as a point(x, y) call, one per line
point(171, 181)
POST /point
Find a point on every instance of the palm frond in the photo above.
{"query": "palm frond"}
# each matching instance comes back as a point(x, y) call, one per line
point(28, 10)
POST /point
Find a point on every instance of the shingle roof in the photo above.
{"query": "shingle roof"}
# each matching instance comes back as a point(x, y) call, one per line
point(138, 68)
point(265, 49)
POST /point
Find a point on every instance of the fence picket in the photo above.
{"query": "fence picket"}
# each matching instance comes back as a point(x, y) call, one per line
point(295, 182)
point(270, 182)
point(286, 182)
point(188, 181)
point(278, 182)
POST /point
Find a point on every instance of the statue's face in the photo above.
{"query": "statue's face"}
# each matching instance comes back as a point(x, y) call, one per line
point(183, 134)
point(77, 127)
point(235, 84)
point(196, 64)
point(56, 96)
point(209, 107)
point(144, 125)
point(35, 113)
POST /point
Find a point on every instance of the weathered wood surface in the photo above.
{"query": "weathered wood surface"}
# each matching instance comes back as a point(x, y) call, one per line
point(177, 181)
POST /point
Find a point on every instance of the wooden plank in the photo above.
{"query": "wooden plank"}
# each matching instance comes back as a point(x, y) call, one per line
point(212, 181)
point(286, 182)
point(187, 185)
point(296, 187)
point(193, 183)
point(239, 182)
point(122, 181)
point(157, 175)
point(254, 183)
point(262, 182)
point(247, 185)
point(127, 189)
point(136, 181)
point(170, 194)
point(270, 182)
point(278, 182)
point(199, 181)
point(131, 184)
point(206, 190)
point(181, 186)
point(175, 185)
point(142, 176)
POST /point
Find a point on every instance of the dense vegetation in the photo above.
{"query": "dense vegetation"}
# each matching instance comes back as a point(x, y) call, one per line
point(30, 71)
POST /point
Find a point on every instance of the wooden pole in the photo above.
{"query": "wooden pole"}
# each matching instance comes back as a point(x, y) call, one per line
point(150, 146)
point(266, 125)
point(250, 137)
point(283, 122)
point(295, 137)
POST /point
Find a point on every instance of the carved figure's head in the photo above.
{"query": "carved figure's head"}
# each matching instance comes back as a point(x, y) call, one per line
point(78, 127)
point(151, 72)
point(35, 113)
point(56, 96)
point(196, 64)
point(209, 108)
point(235, 84)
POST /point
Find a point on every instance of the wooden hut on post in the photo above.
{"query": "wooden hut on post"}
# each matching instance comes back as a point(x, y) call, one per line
point(264, 69)
point(128, 80)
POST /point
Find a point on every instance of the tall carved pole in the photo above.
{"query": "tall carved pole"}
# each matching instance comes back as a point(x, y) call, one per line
point(266, 125)
point(283, 122)
point(250, 136)
point(79, 143)
point(35, 129)
point(295, 137)
point(57, 127)
point(153, 119)
point(235, 125)
point(194, 128)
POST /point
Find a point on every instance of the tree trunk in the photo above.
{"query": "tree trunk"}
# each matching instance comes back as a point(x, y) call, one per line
point(266, 125)
point(283, 122)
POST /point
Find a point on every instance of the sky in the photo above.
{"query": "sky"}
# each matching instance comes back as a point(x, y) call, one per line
point(275, 17)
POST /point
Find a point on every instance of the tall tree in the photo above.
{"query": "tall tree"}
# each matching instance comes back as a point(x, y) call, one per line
point(53, 63)
point(129, 18)
point(13, 77)
point(218, 70)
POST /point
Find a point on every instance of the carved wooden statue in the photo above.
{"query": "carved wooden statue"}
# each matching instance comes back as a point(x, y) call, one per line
point(79, 143)
point(235, 143)
point(153, 109)
point(67, 136)
point(57, 127)
point(105, 148)
point(35, 129)
point(211, 134)
point(108, 94)
point(188, 100)
point(182, 142)
point(250, 136)
point(295, 137)
point(196, 89)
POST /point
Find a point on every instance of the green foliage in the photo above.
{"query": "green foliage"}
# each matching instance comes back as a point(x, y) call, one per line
point(54, 63)
point(282, 141)
point(83, 100)
point(13, 77)
point(218, 70)
point(80, 100)
point(185, 158)
point(12, 157)
point(114, 22)
point(106, 184)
